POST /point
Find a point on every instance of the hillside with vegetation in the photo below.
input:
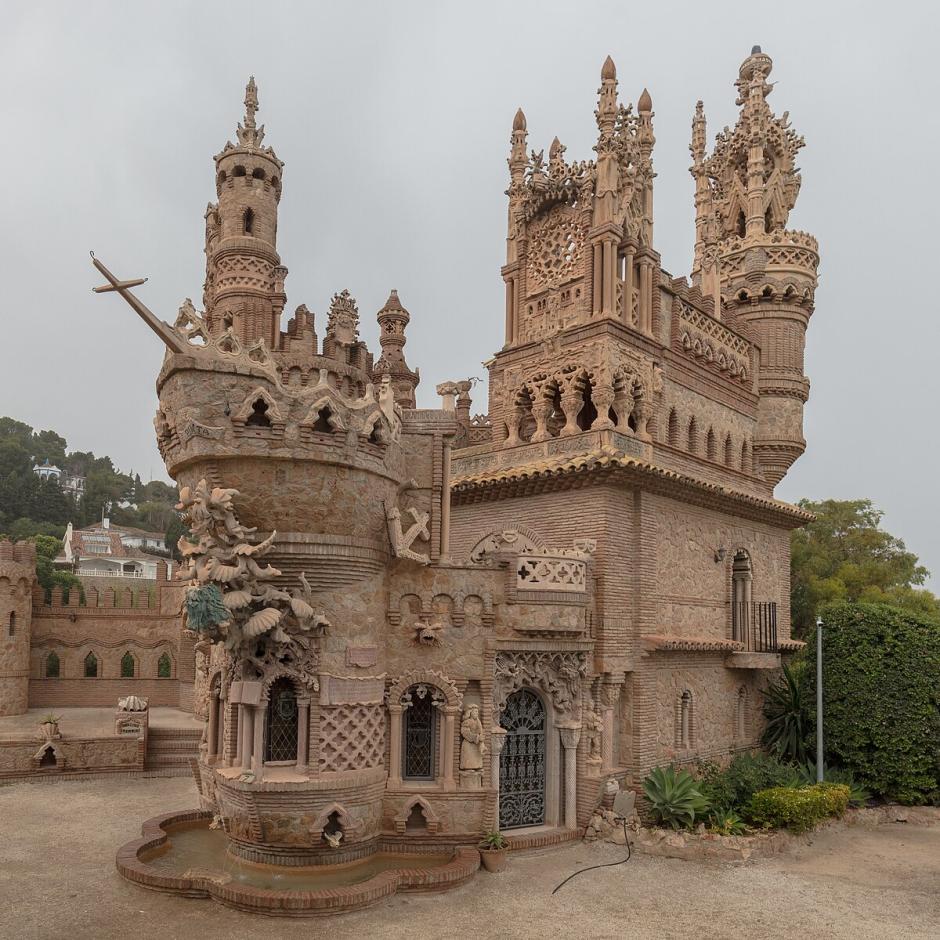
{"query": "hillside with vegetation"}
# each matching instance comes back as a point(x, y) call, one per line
point(31, 506)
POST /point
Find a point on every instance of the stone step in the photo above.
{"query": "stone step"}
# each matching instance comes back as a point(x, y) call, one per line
point(169, 760)
point(190, 746)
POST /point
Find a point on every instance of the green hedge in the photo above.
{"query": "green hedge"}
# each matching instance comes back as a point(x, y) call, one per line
point(881, 705)
point(798, 808)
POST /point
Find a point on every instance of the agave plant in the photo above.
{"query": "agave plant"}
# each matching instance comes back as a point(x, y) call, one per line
point(787, 720)
point(674, 797)
point(726, 822)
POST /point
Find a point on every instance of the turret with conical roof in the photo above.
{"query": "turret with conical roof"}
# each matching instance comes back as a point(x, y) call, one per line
point(393, 318)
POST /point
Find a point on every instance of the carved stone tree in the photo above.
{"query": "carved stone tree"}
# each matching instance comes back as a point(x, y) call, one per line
point(230, 599)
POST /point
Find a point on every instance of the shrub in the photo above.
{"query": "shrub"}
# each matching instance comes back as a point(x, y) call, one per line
point(882, 701)
point(799, 809)
point(674, 797)
point(787, 726)
point(733, 786)
point(858, 795)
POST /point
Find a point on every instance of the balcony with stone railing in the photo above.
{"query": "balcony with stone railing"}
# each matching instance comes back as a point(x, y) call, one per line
point(552, 570)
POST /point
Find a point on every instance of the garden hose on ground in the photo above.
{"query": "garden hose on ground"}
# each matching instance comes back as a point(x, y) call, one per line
point(606, 864)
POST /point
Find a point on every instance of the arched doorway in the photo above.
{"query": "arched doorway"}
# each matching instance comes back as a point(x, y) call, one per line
point(522, 762)
point(281, 737)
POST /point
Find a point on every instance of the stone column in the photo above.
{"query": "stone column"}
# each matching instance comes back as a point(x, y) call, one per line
point(623, 405)
point(515, 420)
point(212, 735)
point(445, 504)
point(541, 411)
point(642, 412)
point(572, 401)
point(303, 735)
point(570, 735)
point(607, 744)
point(628, 288)
point(497, 740)
point(603, 398)
point(645, 297)
point(259, 713)
point(598, 275)
point(447, 758)
point(394, 745)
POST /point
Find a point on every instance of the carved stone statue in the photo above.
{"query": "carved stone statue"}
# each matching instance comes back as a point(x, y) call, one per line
point(594, 729)
point(472, 746)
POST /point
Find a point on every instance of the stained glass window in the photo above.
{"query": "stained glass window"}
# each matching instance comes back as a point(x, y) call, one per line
point(420, 729)
point(281, 739)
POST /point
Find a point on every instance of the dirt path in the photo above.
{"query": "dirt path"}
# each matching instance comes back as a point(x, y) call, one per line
point(57, 880)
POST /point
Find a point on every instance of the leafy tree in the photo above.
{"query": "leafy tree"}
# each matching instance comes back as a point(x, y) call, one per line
point(845, 555)
point(175, 530)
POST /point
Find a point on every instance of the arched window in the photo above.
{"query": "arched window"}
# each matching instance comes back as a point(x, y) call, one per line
point(673, 432)
point(248, 222)
point(420, 735)
point(740, 715)
point(281, 732)
point(91, 666)
point(238, 171)
point(52, 666)
point(11, 627)
point(322, 424)
point(164, 666)
point(259, 415)
point(685, 728)
point(257, 173)
point(128, 666)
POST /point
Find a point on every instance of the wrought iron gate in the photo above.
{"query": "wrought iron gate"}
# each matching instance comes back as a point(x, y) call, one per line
point(282, 722)
point(522, 762)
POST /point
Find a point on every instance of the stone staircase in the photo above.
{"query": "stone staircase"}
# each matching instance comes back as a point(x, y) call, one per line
point(171, 749)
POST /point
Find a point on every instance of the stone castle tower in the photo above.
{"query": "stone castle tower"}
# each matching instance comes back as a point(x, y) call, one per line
point(760, 275)
point(17, 575)
point(244, 288)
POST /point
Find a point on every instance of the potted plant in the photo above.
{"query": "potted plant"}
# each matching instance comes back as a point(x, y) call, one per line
point(493, 848)
point(49, 726)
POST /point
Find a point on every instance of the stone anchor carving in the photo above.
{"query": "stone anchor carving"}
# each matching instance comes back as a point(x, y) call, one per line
point(403, 539)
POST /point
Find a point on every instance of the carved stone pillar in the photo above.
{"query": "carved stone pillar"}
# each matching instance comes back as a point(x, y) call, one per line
point(572, 401)
point(212, 735)
point(646, 296)
point(497, 740)
point(394, 745)
point(541, 411)
point(607, 743)
point(513, 425)
point(628, 288)
point(603, 398)
point(447, 758)
point(642, 412)
point(445, 503)
point(570, 735)
point(303, 735)
point(260, 712)
point(623, 406)
point(243, 752)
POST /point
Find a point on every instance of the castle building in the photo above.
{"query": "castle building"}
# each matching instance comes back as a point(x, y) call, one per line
point(413, 625)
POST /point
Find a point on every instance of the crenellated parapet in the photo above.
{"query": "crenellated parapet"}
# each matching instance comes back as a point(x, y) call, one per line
point(17, 581)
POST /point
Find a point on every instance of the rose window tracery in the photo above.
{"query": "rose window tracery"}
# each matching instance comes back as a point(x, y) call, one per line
point(554, 249)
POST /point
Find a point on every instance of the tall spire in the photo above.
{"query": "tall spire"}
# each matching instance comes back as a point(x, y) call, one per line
point(606, 112)
point(249, 134)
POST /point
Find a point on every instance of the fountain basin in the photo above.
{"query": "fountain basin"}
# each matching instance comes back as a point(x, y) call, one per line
point(178, 854)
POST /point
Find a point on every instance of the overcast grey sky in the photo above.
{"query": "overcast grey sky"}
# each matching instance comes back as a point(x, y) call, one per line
point(394, 121)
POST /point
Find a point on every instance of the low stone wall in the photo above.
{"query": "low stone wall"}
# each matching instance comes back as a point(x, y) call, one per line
point(73, 755)
point(95, 693)
point(701, 844)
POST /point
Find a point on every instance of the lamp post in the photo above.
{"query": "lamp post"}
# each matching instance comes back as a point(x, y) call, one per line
point(819, 702)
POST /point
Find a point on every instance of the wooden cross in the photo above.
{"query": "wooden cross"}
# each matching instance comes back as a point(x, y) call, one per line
point(163, 329)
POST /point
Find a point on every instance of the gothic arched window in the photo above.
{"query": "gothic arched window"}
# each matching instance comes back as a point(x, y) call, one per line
point(52, 666)
point(420, 735)
point(249, 221)
point(685, 728)
point(164, 666)
point(91, 666)
point(282, 719)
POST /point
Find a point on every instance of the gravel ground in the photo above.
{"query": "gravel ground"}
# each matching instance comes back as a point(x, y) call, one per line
point(57, 880)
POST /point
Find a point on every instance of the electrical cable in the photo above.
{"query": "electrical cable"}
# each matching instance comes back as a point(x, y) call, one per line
point(606, 864)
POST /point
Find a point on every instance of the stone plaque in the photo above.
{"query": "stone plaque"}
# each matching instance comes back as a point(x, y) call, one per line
point(363, 656)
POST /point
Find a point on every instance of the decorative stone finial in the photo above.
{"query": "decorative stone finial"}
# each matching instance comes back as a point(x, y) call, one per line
point(249, 134)
point(251, 101)
point(518, 122)
point(608, 70)
point(645, 104)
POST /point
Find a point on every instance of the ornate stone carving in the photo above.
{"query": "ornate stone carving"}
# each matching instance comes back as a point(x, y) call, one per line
point(594, 729)
point(558, 674)
point(402, 540)
point(343, 322)
point(472, 744)
point(427, 634)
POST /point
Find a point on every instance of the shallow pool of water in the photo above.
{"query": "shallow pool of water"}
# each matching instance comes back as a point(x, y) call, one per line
point(196, 847)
